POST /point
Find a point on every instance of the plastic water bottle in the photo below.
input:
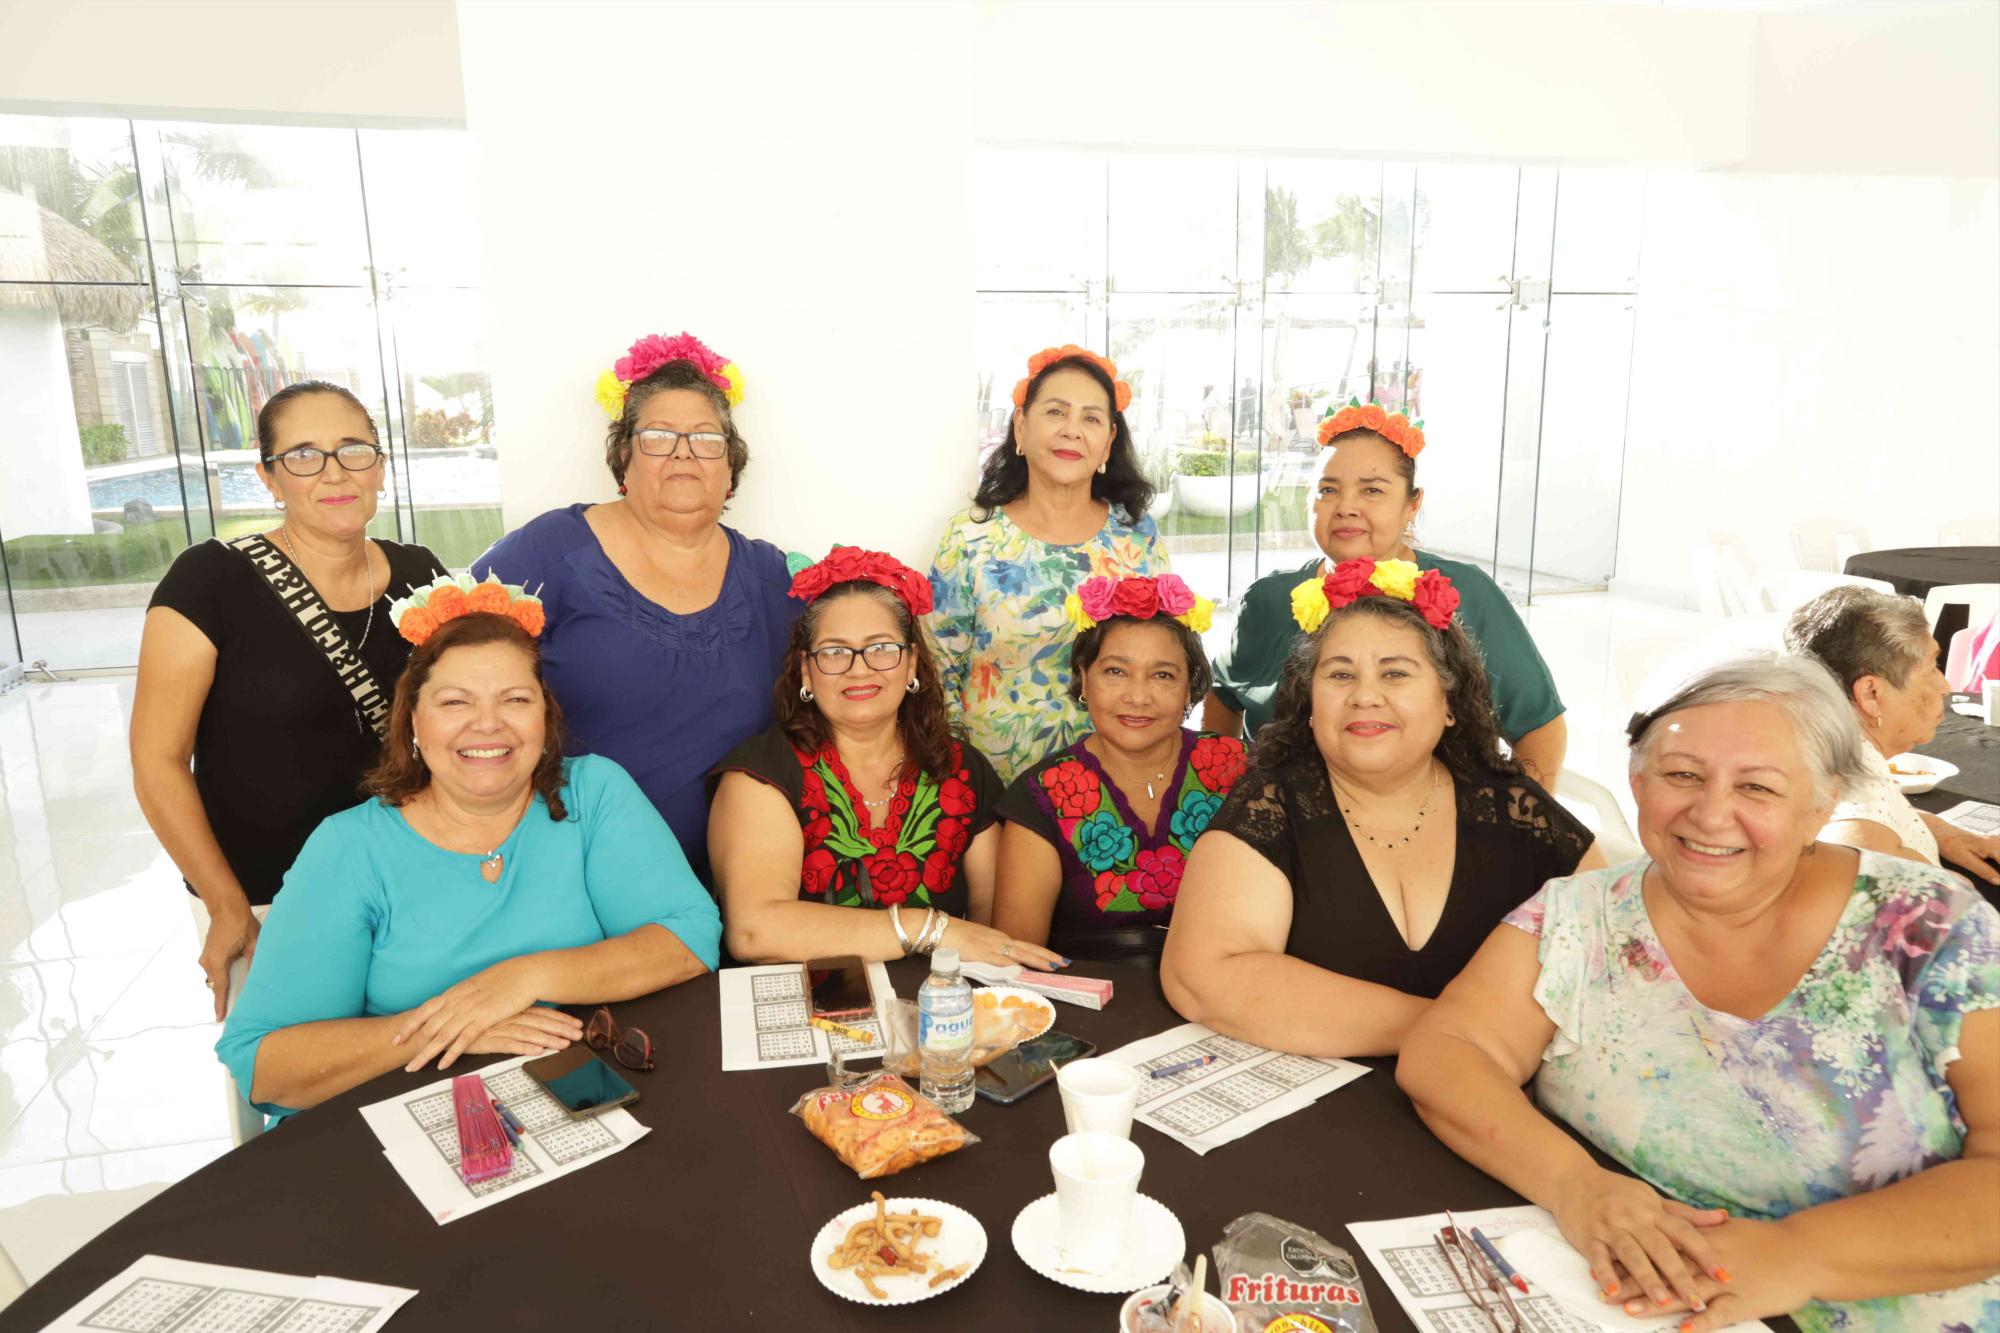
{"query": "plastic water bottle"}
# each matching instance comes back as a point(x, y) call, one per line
point(944, 1033)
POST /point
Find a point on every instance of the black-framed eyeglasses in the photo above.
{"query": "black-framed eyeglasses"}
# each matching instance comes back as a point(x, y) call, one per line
point(309, 460)
point(838, 661)
point(630, 1047)
point(663, 443)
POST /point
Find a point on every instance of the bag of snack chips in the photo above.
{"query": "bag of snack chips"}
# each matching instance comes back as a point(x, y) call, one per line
point(996, 1030)
point(1281, 1278)
point(880, 1126)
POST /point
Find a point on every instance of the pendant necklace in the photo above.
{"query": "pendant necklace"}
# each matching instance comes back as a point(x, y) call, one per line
point(491, 865)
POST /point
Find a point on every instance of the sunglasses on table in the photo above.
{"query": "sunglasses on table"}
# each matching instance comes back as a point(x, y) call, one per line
point(630, 1047)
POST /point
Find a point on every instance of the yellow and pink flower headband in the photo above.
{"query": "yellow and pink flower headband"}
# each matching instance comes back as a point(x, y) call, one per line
point(1427, 590)
point(1121, 395)
point(1395, 427)
point(1142, 598)
point(650, 353)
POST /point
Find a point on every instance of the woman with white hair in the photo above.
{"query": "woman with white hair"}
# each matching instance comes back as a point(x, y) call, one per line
point(1880, 650)
point(1794, 1045)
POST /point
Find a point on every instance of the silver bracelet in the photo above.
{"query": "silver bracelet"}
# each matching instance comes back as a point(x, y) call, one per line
point(924, 931)
point(936, 936)
point(902, 936)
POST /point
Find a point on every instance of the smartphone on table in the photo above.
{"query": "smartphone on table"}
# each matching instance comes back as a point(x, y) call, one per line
point(582, 1084)
point(839, 988)
point(1020, 1071)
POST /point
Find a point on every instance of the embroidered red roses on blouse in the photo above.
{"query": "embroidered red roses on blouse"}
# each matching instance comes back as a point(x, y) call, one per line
point(911, 856)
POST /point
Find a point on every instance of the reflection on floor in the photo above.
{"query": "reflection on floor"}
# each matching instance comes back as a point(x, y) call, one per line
point(107, 1080)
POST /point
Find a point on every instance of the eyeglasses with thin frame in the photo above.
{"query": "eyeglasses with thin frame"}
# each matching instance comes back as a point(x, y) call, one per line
point(628, 1046)
point(839, 660)
point(309, 460)
point(663, 443)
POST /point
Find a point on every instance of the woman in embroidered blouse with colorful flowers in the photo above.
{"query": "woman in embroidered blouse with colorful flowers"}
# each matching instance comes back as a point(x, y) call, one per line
point(1098, 832)
point(1381, 836)
point(1795, 1044)
point(860, 796)
point(1062, 501)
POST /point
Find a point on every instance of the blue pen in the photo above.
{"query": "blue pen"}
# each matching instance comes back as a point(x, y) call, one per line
point(1506, 1269)
point(508, 1122)
point(1168, 1071)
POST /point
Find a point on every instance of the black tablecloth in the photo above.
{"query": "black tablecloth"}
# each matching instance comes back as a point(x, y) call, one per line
point(706, 1223)
point(1915, 570)
point(1975, 748)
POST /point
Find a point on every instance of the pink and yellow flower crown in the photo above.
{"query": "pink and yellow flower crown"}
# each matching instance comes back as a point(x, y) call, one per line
point(1142, 598)
point(1394, 427)
point(1121, 391)
point(1427, 590)
point(420, 615)
point(650, 353)
point(851, 564)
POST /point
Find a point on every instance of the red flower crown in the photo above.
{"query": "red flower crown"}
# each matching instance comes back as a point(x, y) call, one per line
point(1428, 590)
point(851, 564)
point(1121, 391)
point(1394, 427)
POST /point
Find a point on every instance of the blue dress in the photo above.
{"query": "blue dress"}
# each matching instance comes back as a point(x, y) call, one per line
point(665, 695)
point(375, 919)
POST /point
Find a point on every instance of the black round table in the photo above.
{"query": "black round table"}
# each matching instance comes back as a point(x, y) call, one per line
point(1915, 570)
point(706, 1222)
point(1974, 748)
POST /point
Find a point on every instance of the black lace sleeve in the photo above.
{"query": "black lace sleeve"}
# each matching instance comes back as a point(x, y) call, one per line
point(1557, 839)
point(1259, 811)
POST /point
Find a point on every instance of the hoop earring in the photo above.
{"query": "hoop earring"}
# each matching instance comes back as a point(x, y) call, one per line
point(805, 695)
point(1101, 466)
point(415, 752)
point(1020, 451)
point(280, 504)
point(911, 688)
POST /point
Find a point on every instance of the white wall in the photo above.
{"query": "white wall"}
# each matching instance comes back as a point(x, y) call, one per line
point(1809, 346)
point(42, 486)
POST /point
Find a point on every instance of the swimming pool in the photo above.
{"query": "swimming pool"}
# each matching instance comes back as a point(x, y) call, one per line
point(434, 480)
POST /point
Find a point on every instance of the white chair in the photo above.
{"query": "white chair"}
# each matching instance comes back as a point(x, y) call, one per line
point(1825, 543)
point(37, 1235)
point(1580, 796)
point(1786, 592)
point(1726, 577)
point(12, 1284)
point(1970, 532)
point(1981, 601)
point(1958, 659)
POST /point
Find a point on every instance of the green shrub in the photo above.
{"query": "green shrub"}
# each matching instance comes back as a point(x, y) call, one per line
point(1214, 463)
point(104, 444)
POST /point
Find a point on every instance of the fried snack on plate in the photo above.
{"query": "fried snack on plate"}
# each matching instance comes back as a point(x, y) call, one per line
point(886, 1245)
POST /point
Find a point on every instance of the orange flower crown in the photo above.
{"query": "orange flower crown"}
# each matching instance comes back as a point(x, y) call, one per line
point(1394, 427)
point(419, 615)
point(1048, 356)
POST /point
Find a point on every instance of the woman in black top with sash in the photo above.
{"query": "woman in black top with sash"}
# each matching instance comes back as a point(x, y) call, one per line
point(268, 662)
point(1379, 839)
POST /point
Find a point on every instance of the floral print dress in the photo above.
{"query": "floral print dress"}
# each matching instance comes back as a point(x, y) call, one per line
point(998, 629)
point(1838, 1090)
point(906, 852)
point(1120, 877)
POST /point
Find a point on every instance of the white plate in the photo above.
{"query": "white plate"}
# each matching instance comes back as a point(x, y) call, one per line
point(960, 1240)
point(1156, 1243)
point(1028, 999)
point(1925, 772)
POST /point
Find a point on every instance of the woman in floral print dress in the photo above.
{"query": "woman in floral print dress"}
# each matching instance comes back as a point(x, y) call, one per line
point(1796, 1044)
point(860, 797)
point(1062, 501)
point(1098, 832)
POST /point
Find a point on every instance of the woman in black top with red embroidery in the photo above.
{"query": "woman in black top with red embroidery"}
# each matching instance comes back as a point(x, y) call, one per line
point(859, 797)
point(1380, 838)
point(232, 680)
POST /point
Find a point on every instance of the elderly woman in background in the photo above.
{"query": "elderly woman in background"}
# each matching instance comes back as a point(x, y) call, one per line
point(860, 797)
point(492, 877)
point(1062, 500)
point(279, 718)
point(1365, 507)
point(1794, 1043)
point(1379, 839)
point(665, 627)
point(1879, 648)
point(1098, 833)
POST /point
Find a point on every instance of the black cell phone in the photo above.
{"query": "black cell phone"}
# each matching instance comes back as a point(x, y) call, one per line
point(839, 988)
point(1020, 1071)
point(582, 1084)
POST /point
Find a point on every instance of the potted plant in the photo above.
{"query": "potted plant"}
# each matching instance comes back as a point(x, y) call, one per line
point(1203, 486)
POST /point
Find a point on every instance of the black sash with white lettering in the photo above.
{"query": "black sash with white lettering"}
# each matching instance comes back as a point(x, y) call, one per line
point(295, 592)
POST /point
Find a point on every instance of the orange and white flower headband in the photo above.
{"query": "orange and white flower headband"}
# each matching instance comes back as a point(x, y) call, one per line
point(426, 609)
point(1048, 356)
point(1142, 598)
point(1394, 427)
point(650, 353)
point(1427, 590)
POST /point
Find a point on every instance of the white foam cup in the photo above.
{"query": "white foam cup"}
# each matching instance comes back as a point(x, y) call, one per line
point(1097, 1179)
point(1098, 1096)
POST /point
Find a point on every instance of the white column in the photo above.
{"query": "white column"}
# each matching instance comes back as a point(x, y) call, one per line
point(42, 487)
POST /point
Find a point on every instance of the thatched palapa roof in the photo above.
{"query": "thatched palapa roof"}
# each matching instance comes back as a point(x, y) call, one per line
point(37, 246)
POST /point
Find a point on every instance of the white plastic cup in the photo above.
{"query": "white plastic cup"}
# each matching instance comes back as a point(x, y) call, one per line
point(1989, 700)
point(1098, 1096)
point(1097, 1179)
point(1215, 1316)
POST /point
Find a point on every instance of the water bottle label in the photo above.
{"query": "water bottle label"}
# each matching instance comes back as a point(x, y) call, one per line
point(944, 1032)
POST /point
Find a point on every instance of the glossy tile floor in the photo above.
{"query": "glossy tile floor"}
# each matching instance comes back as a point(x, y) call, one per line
point(107, 1079)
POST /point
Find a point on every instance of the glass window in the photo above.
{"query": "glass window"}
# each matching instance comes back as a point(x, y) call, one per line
point(450, 460)
point(263, 206)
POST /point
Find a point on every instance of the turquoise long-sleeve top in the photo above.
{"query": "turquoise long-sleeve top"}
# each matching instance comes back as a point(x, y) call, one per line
point(374, 918)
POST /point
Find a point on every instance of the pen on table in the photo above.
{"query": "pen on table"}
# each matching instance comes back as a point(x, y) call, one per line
point(1493, 1253)
point(508, 1122)
point(1168, 1071)
point(842, 1030)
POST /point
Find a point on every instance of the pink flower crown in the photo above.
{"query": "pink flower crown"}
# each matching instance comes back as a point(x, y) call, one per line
point(426, 609)
point(650, 353)
point(851, 564)
point(1427, 590)
point(1140, 597)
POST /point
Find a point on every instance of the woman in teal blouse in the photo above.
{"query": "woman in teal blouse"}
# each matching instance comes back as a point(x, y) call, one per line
point(1364, 506)
point(491, 878)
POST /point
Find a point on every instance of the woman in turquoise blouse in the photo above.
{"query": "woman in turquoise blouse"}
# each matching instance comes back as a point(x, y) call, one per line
point(490, 879)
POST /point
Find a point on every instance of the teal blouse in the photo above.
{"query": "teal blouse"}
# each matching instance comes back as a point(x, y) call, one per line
point(375, 919)
point(1524, 693)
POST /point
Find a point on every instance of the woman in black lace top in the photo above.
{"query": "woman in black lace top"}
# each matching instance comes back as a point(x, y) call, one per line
point(1380, 838)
